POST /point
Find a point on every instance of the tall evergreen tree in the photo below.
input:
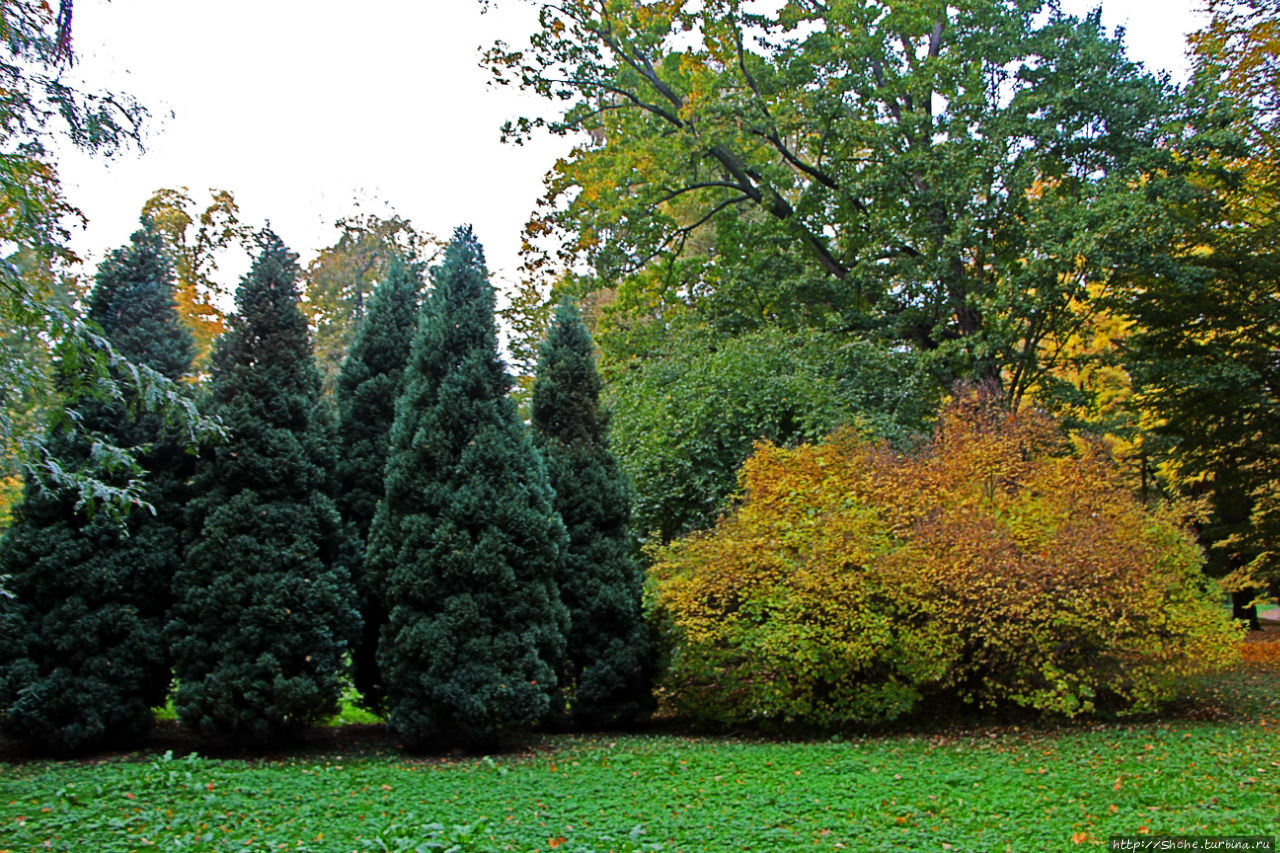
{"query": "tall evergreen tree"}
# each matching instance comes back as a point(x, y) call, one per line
point(466, 546)
point(367, 390)
point(87, 659)
point(607, 664)
point(264, 606)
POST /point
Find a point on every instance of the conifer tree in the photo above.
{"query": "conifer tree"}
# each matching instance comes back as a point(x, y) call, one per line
point(367, 390)
point(466, 545)
point(607, 661)
point(87, 660)
point(264, 606)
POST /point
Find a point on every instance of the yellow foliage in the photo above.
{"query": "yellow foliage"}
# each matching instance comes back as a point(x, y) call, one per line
point(203, 318)
point(10, 495)
point(1000, 564)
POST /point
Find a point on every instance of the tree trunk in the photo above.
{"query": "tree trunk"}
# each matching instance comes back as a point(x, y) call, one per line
point(1241, 609)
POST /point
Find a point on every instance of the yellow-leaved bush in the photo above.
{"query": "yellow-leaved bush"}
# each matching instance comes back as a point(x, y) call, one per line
point(1000, 564)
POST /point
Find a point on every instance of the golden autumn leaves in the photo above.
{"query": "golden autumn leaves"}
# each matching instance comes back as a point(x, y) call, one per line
point(999, 564)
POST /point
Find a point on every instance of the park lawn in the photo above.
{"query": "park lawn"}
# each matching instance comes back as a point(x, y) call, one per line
point(1028, 788)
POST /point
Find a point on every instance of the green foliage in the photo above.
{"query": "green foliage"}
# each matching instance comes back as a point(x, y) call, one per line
point(1201, 293)
point(686, 418)
point(368, 386)
point(466, 547)
point(341, 277)
point(27, 387)
point(946, 172)
point(996, 789)
point(606, 677)
point(132, 302)
point(353, 711)
point(996, 565)
point(37, 310)
point(264, 610)
point(194, 239)
point(1239, 53)
point(88, 660)
point(10, 496)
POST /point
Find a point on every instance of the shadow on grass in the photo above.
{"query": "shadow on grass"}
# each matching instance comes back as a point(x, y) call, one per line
point(1248, 693)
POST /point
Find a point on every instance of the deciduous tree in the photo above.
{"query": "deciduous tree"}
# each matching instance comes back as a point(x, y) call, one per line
point(195, 239)
point(34, 302)
point(1203, 294)
point(340, 279)
point(950, 169)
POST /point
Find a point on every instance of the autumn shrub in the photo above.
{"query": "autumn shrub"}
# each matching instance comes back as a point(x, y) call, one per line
point(1000, 564)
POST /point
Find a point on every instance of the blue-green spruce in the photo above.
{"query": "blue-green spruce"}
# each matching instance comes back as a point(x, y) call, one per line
point(466, 546)
point(265, 609)
point(606, 672)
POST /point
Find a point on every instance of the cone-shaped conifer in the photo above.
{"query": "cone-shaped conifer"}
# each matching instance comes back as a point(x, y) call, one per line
point(607, 664)
point(466, 545)
point(264, 607)
point(88, 659)
point(368, 386)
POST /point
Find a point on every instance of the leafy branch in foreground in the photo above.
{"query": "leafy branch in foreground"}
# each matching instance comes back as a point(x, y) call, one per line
point(54, 354)
point(84, 659)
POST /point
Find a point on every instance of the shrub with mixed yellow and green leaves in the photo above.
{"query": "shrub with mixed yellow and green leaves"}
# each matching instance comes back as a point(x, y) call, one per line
point(1000, 564)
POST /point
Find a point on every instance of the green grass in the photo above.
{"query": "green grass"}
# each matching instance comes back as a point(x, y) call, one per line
point(348, 714)
point(351, 713)
point(1028, 789)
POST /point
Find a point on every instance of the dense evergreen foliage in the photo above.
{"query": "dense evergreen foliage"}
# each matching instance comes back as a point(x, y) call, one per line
point(265, 610)
point(466, 546)
point(607, 660)
point(367, 390)
point(82, 652)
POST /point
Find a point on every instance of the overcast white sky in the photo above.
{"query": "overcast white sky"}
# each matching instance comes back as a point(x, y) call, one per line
point(299, 108)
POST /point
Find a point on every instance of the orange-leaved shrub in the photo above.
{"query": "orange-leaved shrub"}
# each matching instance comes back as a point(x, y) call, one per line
point(1000, 564)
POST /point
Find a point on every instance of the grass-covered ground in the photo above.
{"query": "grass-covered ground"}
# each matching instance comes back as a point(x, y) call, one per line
point(1211, 769)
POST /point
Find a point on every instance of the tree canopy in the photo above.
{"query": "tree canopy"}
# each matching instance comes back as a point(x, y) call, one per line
point(939, 170)
point(87, 658)
point(1203, 297)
